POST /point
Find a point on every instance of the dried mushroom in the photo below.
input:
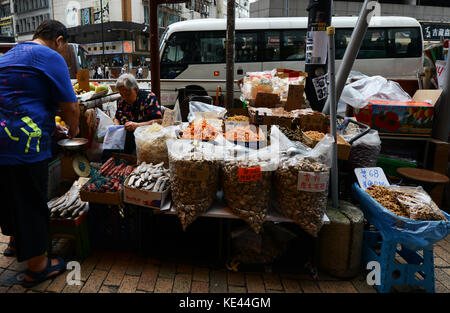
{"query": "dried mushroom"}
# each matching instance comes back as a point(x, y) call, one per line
point(194, 182)
point(246, 190)
point(306, 208)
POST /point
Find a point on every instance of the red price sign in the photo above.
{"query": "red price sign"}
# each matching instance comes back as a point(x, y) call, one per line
point(247, 174)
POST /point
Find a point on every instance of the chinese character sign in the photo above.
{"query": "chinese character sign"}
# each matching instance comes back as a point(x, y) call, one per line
point(247, 174)
point(371, 176)
point(313, 181)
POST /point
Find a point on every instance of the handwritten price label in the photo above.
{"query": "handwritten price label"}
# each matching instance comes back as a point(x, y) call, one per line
point(247, 174)
point(371, 176)
point(313, 182)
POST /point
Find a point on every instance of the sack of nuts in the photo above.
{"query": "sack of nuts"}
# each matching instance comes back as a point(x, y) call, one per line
point(301, 190)
point(194, 172)
point(246, 187)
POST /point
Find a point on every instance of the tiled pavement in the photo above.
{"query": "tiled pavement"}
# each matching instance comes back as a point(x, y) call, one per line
point(120, 272)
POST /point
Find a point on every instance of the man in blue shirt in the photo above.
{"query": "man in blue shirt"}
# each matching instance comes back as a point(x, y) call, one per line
point(34, 85)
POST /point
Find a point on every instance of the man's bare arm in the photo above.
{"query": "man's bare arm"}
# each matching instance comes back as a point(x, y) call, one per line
point(71, 113)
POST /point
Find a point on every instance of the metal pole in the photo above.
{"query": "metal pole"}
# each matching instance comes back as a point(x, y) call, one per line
point(332, 97)
point(441, 127)
point(103, 40)
point(351, 52)
point(154, 49)
point(230, 53)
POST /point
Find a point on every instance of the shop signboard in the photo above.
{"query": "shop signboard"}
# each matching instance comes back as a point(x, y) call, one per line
point(435, 31)
point(72, 11)
point(86, 15)
point(98, 12)
point(128, 46)
point(111, 47)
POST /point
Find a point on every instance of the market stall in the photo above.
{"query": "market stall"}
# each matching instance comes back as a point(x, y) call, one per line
point(274, 162)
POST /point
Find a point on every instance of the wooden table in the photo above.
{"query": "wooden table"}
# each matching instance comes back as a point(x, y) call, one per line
point(426, 178)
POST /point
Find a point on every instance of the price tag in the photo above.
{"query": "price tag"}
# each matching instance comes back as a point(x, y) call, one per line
point(247, 174)
point(321, 87)
point(313, 181)
point(192, 174)
point(371, 176)
point(169, 117)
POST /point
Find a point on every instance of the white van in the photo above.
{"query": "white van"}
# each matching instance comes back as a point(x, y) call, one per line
point(193, 52)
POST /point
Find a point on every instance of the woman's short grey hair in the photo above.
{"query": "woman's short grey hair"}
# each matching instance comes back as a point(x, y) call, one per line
point(128, 81)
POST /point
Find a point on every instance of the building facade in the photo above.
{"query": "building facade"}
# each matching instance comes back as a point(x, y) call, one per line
point(6, 22)
point(28, 14)
point(121, 36)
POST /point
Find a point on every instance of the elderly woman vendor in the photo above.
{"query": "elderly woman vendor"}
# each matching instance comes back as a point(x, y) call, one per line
point(135, 108)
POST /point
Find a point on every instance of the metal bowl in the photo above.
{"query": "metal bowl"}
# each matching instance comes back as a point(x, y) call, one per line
point(73, 144)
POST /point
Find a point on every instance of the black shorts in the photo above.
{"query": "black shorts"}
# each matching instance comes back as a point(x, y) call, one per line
point(24, 212)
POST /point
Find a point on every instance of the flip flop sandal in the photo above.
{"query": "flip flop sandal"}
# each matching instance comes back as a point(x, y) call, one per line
point(39, 277)
point(10, 250)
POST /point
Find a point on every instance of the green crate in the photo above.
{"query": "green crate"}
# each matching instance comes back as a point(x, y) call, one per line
point(390, 166)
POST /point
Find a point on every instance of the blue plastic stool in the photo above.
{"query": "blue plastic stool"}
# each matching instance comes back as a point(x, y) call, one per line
point(392, 273)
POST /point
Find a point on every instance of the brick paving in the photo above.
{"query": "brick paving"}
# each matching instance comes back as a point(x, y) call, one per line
point(122, 272)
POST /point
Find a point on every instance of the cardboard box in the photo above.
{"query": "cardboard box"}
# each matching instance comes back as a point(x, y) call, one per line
point(114, 198)
point(343, 148)
point(404, 117)
point(145, 198)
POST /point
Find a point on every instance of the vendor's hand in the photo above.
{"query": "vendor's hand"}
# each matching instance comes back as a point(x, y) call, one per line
point(131, 126)
point(60, 131)
point(73, 132)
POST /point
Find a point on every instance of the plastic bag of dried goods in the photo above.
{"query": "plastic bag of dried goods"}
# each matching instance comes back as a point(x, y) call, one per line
point(194, 177)
point(301, 186)
point(151, 144)
point(417, 203)
point(365, 150)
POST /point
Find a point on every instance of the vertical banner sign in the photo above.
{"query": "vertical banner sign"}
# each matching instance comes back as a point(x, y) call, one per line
point(319, 18)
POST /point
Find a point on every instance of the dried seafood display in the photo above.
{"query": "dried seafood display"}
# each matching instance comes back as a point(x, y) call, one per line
point(200, 130)
point(242, 134)
point(149, 177)
point(69, 205)
point(407, 202)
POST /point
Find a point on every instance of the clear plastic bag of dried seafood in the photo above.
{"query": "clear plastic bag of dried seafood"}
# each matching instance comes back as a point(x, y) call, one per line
point(151, 143)
point(418, 203)
point(194, 176)
point(246, 186)
point(301, 186)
